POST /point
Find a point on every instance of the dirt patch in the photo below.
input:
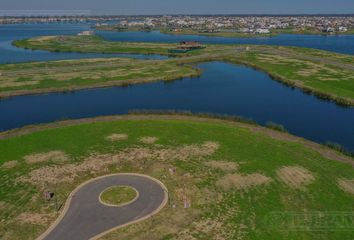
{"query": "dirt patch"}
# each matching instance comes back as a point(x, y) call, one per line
point(240, 182)
point(43, 38)
point(98, 163)
point(223, 165)
point(55, 156)
point(34, 218)
point(18, 84)
point(117, 137)
point(295, 176)
point(213, 228)
point(9, 165)
point(148, 140)
point(273, 134)
point(3, 206)
point(346, 185)
point(217, 228)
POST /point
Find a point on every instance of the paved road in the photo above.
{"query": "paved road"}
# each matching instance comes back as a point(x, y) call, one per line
point(86, 217)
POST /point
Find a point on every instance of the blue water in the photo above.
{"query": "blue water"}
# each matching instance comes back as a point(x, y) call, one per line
point(223, 88)
point(11, 54)
point(340, 43)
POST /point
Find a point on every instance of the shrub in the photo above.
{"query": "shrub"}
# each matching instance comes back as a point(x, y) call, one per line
point(275, 126)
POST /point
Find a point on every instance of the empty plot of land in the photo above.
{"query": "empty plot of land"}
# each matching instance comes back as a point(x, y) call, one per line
point(55, 156)
point(346, 185)
point(295, 176)
point(242, 182)
point(148, 140)
point(117, 137)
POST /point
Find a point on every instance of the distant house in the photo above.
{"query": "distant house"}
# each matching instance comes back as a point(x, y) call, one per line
point(189, 45)
point(86, 33)
point(343, 29)
point(328, 30)
point(262, 31)
point(186, 46)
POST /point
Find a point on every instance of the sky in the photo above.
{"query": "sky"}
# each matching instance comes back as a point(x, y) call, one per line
point(136, 7)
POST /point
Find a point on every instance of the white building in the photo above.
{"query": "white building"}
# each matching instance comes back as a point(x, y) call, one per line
point(86, 33)
point(342, 29)
point(262, 31)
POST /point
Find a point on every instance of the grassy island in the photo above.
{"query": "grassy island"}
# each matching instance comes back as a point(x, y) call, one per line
point(118, 196)
point(325, 74)
point(226, 179)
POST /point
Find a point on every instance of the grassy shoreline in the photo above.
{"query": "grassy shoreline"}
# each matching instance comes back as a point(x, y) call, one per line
point(205, 152)
point(324, 74)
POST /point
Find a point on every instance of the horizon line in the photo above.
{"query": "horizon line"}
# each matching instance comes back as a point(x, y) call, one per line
point(159, 15)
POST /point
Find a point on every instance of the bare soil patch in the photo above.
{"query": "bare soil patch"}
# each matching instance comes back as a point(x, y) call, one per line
point(240, 182)
point(56, 156)
point(9, 164)
point(346, 185)
point(223, 165)
point(117, 137)
point(34, 218)
point(295, 176)
point(97, 164)
point(3, 205)
point(148, 140)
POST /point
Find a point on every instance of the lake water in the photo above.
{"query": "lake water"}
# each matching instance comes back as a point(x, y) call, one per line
point(222, 89)
point(11, 54)
point(340, 43)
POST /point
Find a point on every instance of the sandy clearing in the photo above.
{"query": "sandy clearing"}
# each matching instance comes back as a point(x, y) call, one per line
point(240, 182)
point(148, 140)
point(9, 164)
point(34, 218)
point(346, 185)
point(295, 176)
point(97, 164)
point(117, 137)
point(55, 156)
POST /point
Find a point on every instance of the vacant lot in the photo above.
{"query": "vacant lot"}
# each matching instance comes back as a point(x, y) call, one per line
point(233, 177)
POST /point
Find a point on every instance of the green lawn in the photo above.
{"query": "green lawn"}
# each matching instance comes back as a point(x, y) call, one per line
point(92, 44)
point(238, 178)
point(27, 78)
point(118, 195)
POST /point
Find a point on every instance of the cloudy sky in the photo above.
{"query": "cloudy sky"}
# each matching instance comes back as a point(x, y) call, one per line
point(183, 6)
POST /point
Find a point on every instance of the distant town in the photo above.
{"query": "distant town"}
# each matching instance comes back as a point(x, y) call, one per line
point(206, 24)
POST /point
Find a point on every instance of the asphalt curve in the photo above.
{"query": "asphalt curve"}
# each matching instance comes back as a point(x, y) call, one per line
point(85, 217)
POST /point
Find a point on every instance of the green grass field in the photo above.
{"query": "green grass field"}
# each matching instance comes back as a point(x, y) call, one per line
point(91, 44)
point(241, 181)
point(118, 195)
point(326, 74)
point(68, 75)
